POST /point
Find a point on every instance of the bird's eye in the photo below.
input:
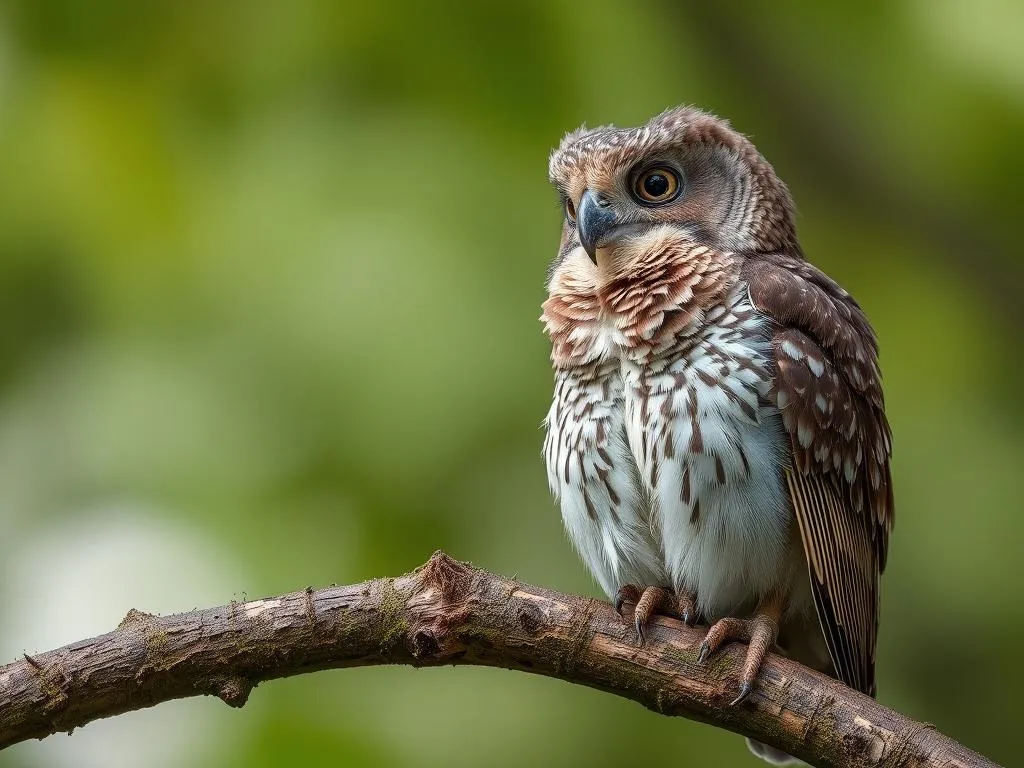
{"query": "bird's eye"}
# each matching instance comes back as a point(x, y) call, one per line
point(570, 209)
point(656, 185)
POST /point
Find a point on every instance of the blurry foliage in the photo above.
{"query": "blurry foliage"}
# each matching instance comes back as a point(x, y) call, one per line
point(269, 283)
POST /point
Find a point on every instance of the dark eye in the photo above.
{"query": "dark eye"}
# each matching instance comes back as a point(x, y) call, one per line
point(656, 185)
point(570, 209)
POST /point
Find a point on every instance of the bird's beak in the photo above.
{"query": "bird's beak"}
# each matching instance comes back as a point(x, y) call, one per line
point(595, 219)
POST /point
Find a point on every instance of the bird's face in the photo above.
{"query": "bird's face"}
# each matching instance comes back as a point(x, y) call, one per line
point(685, 174)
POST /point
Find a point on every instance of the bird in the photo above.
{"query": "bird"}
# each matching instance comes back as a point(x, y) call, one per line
point(717, 438)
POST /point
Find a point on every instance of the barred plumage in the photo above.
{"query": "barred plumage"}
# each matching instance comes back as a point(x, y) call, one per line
point(718, 425)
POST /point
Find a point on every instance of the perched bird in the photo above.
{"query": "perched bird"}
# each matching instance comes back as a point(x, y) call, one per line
point(717, 439)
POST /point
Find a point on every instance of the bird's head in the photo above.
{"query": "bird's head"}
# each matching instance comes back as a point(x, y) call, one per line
point(685, 173)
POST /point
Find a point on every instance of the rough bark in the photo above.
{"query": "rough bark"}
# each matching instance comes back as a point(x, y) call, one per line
point(447, 612)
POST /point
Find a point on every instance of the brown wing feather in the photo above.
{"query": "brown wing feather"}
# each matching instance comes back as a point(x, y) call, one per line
point(828, 388)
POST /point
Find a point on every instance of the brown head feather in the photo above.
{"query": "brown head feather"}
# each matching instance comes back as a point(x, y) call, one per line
point(756, 204)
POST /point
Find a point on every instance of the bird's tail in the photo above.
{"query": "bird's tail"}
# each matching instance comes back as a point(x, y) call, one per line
point(771, 754)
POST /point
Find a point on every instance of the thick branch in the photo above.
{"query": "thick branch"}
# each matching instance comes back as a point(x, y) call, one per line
point(450, 613)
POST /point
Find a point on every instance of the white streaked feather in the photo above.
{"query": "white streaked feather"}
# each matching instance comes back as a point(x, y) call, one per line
point(612, 534)
point(732, 554)
point(736, 551)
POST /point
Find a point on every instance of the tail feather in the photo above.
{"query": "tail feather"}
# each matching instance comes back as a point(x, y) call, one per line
point(771, 754)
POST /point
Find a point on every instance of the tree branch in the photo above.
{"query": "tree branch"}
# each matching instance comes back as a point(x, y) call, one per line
point(447, 612)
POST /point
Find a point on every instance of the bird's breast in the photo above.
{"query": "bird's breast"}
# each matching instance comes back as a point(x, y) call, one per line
point(710, 449)
point(662, 288)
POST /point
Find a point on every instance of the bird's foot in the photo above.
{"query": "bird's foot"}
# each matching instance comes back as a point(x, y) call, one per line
point(628, 593)
point(759, 633)
point(649, 603)
point(653, 601)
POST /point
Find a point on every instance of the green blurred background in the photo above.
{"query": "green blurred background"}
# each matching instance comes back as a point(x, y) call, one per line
point(270, 276)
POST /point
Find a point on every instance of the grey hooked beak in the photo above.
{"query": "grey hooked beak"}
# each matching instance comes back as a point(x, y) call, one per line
point(594, 219)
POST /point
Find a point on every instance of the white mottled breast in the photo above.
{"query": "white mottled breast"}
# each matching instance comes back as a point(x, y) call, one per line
point(667, 462)
point(593, 475)
point(709, 450)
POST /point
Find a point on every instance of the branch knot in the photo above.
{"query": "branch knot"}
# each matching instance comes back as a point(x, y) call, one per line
point(234, 691)
point(444, 586)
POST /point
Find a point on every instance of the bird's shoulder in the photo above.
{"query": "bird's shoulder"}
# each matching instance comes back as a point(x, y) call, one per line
point(828, 384)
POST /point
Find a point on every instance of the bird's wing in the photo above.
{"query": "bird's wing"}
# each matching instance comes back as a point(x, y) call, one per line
point(827, 386)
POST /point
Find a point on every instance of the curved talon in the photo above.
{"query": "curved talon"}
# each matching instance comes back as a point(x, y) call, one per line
point(687, 605)
point(641, 637)
point(705, 651)
point(745, 688)
point(627, 593)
